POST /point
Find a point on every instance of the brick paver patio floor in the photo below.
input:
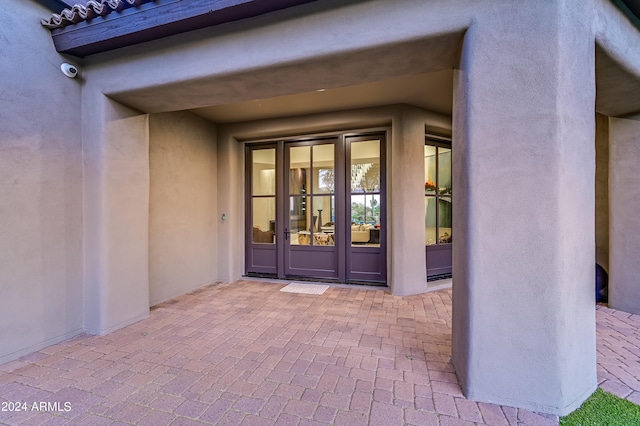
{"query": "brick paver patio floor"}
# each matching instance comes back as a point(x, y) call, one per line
point(246, 353)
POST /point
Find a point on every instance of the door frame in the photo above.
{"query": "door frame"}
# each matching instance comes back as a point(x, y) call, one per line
point(342, 209)
point(251, 248)
point(352, 251)
point(285, 250)
point(438, 256)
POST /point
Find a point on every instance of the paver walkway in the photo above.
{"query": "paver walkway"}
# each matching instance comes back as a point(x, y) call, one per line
point(618, 350)
point(246, 353)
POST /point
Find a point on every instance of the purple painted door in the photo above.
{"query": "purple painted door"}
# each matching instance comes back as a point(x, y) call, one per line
point(317, 209)
point(310, 238)
point(261, 201)
point(366, 207)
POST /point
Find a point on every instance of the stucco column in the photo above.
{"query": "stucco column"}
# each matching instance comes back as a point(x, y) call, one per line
point(624, 220)
point(523, 259)
point(116, 214)
point(408, 270)
point(231, 205)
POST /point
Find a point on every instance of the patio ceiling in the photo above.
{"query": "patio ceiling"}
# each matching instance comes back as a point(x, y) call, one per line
point(382, 76)
point(431, 91)
point(617, 88)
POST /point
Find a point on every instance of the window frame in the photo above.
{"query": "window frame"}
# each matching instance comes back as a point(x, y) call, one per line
point(438, 142)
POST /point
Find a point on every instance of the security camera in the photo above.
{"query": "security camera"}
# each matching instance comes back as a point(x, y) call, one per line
point(69, 70)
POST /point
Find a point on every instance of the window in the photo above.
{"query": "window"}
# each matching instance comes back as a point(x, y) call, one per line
point(365, 193)
point(437, 190)
point(263, 195)
point(312, 212)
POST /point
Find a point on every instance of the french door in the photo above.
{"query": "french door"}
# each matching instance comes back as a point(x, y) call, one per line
point(316, 209)
point(309, 213)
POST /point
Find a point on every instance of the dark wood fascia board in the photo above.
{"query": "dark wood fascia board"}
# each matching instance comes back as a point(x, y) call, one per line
point(631, 8)
point(634, 6)
point(161, 18)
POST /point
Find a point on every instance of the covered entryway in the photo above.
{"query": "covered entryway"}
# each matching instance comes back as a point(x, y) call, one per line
point(522, 123)
point(316, 208)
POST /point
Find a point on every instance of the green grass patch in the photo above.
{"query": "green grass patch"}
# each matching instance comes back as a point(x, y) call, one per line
point(604, 409)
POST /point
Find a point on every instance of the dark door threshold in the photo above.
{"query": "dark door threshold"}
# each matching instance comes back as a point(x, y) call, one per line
point(260, 275)
point(439, 277)
point(315, 279)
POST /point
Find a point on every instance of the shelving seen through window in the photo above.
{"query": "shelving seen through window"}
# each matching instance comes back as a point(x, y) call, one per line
point(437, 191)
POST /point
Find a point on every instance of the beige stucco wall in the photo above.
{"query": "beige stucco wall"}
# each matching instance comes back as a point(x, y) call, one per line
point(115, 151)
point(40, 186)
point(523, 261)
point(624, 221)
point(183, 245)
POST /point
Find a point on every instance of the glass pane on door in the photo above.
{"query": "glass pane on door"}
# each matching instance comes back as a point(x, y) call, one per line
point(299, 169)
point(264, 172)
point(365, 209)
point(365, 166)
point(323, 169)
point(264, 220)
point(323, 220)
point(365, 219)
point(299, 221)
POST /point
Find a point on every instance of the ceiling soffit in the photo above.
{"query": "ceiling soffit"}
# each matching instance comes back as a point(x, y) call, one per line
point(430, 91)
point(329, 72)
point(617, 90)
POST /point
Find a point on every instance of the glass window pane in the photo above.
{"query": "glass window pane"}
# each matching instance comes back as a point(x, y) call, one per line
point(430, 220)
point(300, 164)
point(365, 166)
point(323, 220)
point(264, 171)
point(444, 171)
point(444, 219)
point(358, 211)
point(365, 209)
point(429, 169)
point(323, 169)
point(264, 220)
point(299, 221)
point(437, 188)
point(324, 212)
point(365, 219)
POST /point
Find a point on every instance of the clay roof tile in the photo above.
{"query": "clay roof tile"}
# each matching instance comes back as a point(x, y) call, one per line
point(94, 8)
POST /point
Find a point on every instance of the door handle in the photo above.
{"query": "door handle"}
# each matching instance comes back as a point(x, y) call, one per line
point(286, 233)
